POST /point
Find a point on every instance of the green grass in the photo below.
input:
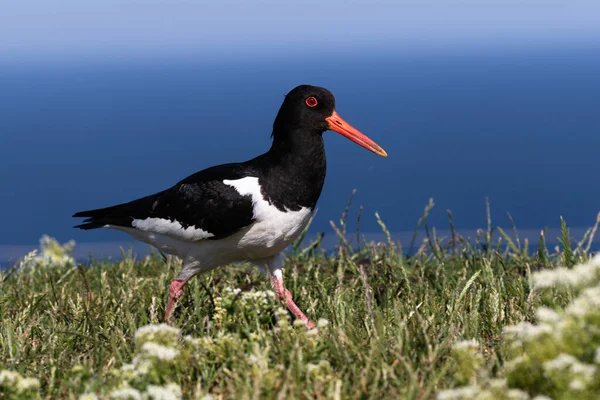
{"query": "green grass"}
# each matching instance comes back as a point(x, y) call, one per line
point(392, 319)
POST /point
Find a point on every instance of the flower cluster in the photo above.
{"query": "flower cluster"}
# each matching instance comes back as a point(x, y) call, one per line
point(234, 305)
point(559, 357)
point(467, 359)
point(15, 386)
point(53, 254)
point(162, 355)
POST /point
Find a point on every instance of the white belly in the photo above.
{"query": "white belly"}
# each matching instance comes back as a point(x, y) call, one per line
point(270, 233)
point(261, 239)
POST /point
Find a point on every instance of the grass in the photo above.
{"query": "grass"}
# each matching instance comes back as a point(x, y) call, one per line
point(393, 319)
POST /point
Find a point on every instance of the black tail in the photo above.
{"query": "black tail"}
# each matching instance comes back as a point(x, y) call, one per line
point(115, 215)
point(119, 215)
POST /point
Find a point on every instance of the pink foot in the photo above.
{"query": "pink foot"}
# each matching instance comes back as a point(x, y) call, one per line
point(175, 292)
point(285, 296)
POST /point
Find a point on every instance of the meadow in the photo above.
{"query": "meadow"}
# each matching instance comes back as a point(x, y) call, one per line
point(485, 317)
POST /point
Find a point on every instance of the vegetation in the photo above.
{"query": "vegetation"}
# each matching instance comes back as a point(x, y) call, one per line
point(454, 318)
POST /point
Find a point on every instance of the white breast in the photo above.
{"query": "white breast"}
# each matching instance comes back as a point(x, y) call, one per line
point(273, 230)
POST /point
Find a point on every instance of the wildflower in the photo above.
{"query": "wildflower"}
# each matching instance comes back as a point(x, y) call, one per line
point(9, 378)
point(547, 315)
point(300, 324)
point(53, 254)
point(563, 361)
point(322, 323)
point(527, 331)
point(13, 381)
point(169, 392)
point(577, 385)
point(585, 371)
point(163, 353)
point(516, 394)
point(462, 393)
point(88, 396)
point(588, 302)
point(577, 276)
point(466, 345)
point(513, 364)
point(139, 366)
point(126, 394)
point(498, 383)
point(26, 384)
point(151, 332)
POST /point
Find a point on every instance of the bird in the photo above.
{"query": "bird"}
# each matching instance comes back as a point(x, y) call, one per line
point(241, 212)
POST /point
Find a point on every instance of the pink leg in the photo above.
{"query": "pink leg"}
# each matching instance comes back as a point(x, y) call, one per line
point(285, 296)
point(175, 292)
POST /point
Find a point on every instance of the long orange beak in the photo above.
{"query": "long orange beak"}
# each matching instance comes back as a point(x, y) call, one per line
point(337, 123)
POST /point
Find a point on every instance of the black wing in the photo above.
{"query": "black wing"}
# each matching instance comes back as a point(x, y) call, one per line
point(201, 201)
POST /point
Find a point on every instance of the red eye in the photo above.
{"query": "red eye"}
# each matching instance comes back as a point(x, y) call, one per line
point(311, 102)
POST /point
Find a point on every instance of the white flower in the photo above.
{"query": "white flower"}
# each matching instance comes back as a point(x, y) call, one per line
point(516, 394)
point(313, 332)
point(515, 362)
point(576, 385)
point(161, 352)
point(466, 345)
point(498, 383)
point(299, 323)
point(547, 315)
point(170, 392)
point(322, 323)
point(126, 394)
point(88, 396)
point(9, 378)
point(585, 371)
point(577, 276)
point(541, 397)
point(595, 261)
point(462, 393)
point(587, 302)
point(150, 331)
point(527, 331)
point(26, 384)
point(14, 380)
point(53, 254)
point(139, 366)
point(563, 361)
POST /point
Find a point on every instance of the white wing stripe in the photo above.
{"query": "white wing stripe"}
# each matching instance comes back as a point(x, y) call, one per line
point(171, 228)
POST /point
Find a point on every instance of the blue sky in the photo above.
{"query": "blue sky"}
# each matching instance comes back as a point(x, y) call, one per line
point(39, 28)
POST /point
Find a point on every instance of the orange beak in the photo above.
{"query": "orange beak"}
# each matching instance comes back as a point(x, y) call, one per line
point(337, 123)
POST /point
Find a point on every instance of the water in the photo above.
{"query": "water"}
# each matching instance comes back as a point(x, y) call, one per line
point(520, 127)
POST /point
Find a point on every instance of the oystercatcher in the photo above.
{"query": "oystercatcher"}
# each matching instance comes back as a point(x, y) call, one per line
point(249, 211)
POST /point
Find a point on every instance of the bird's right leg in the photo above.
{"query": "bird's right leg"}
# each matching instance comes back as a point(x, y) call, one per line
point(273, 266)
point(176, 288)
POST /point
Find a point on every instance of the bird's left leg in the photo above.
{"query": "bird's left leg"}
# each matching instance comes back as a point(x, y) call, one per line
point(176, 288)
point(274, 266)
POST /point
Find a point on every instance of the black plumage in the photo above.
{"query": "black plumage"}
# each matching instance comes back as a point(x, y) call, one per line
point(249, 211)
point(291, 175)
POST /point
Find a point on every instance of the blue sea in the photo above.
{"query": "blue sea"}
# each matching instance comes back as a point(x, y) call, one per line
point(520, 127)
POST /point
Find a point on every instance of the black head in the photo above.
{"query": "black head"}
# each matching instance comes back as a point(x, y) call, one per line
point(309, 111)
point(306, 107)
